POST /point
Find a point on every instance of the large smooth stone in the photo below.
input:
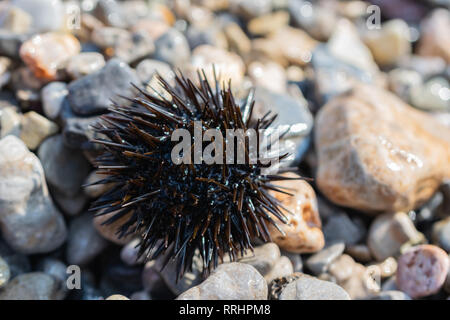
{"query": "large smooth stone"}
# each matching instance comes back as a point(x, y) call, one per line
point(377, 154)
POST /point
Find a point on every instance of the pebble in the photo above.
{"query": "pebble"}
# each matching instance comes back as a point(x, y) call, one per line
point(65, 168)
point(250, 9)
point(84, 63)
point(363, 283)
point(210, 36)
point(230, 281)
point(434, 42)
point(340, 228)
point(18, 263)
point(303, 230)
point(319, 262)
point(368, 157)
point(402, 81)
point(129, 253)
point(388, 232)
point(95, 191)
point(140, 295)
point(5, 273)
point(154, 28)
point(282, 268)
point(173, 48)
point(422, 270)
point(269, 75)
point(83, 242)
point(30, 223)
point(10, 122)
point(53, 96)
point(92, 93)
point(296, 260)
point(390, 43)
point(35, 129)
point(70, 205)
point(228, 65)
point(43, 62)
point(110, 13)
point(311, 288)
point(441, 234)
point(58, 270)
point(238, 41)
point(109, 232)
point(15, 20)
point(31, 286)
point(433, 95)
point(390, 295)
point(52, 10)
point(77, 132)
point(359, 252)
point(146, 69)
point(10, 43)
point(263, 258)
point(342, 268)
point(269, 23)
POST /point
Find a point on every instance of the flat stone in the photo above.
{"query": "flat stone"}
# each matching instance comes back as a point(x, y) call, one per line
point(422, 270)
point(311, 288)
point(388, 233)
point(303, 228)
point(91, 94)
point(320, 261)
point(29, 221)
point(378, 154)
point(230, 281)
point(65, 168)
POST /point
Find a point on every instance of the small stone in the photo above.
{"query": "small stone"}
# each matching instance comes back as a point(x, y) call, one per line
point(320, 261)
point(422, 270)
point(389, 284)
point(388, 267)
point(303, 228)
point(230, 281)
point(425, 66)
point(228, 65)
point(83, 243)
point(31, 286)
point(388, 233)
point(140, 295)
point(250, 9)
point(342, 268)
point(84, 63)
point(296, 260)
point(92, 93)
point(15, 20)
point(368, 157)
point(43, 62)
point(65, 168)
point(70, 205)
point(18, 263)
point(269, 23)
point(117, 297)
point(172, 48)
point(10, 43)
point(441, 234)
point(346, 39)
point(77, 132)
point(58, 270)
point(10, 122)
point(110, 13)
point(47, 15)
point(433, 95)
point(263, 258)
point(340, 228)
point(401, 82)
point(390, 43)
point(282, 268)
point(153, 27)
point(53, 96)
point(390, 295)
point(447, 281)
point(363, 283)
point(269, 75)
point(310, 288)
point(237, 39)
point(35, 128)
point(434, 42)
point(5, 273)
point(212, 35)
point(29, 221)
point(359, 252)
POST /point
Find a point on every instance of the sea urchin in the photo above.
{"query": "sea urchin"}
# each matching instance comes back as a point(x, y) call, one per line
point(180, 209)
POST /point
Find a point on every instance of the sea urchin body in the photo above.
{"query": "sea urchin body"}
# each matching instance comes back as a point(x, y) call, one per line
point(180, 209)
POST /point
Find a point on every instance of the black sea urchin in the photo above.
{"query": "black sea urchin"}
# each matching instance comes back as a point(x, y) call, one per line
point(179, 209)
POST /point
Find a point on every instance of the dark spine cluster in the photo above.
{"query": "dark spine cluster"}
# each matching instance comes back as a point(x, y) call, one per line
point(181, 210)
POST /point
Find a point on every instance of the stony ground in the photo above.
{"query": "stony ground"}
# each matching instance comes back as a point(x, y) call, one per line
point(370, 116)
